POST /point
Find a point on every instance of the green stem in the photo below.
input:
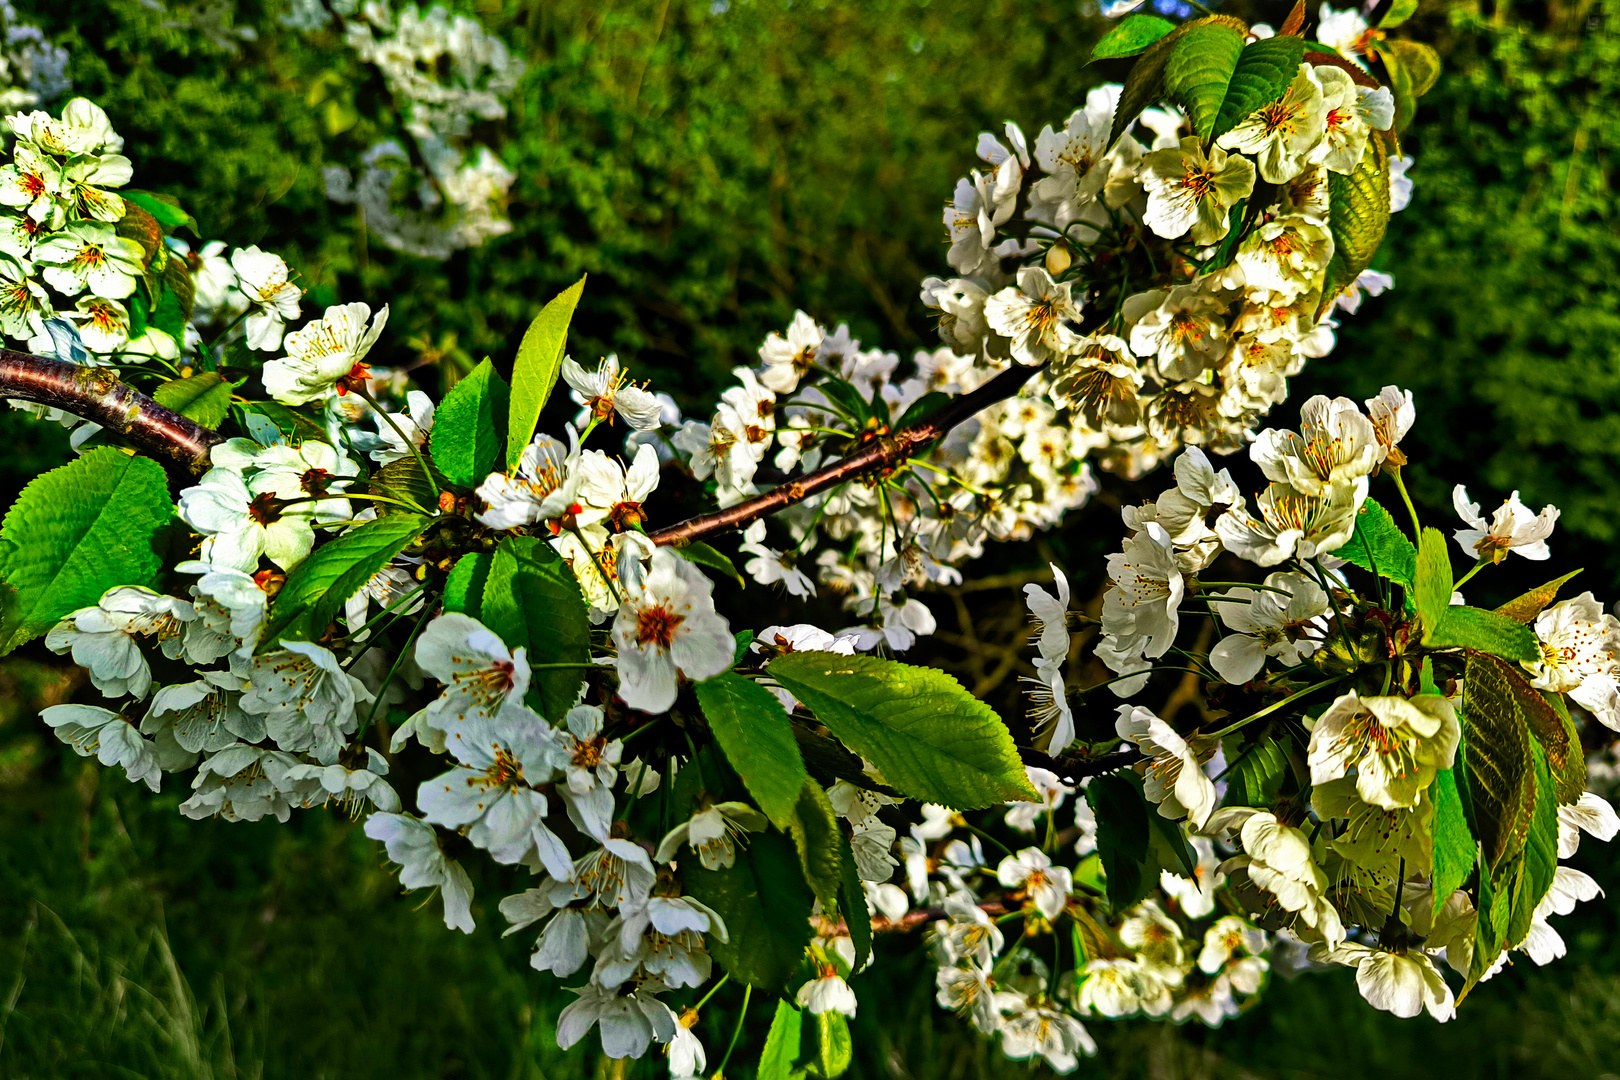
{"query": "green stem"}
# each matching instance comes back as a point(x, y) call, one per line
point(382, 688)
point(410, 444)
point(398, 603)
point(1478, 566)
point(361, 498)
point(613, 590)
point(1269, 709)
point(1400, 485)
point(704, 1000)
point(742, 1014)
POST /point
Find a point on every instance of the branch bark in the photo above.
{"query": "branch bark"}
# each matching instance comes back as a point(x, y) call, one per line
point(95, 394)
point(882, 454)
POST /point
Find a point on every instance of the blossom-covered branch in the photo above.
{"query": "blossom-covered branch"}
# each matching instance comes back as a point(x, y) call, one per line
point(96, 395)
point(882, 454)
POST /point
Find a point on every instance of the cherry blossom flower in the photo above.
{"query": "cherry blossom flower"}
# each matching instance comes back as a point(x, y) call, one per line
point(1038, 1030)
point(90, 255)
point(307, 700)
point(1034, 315)
point(1276, 622)
point(1031, 871)
point(1394, 744)
point(1190, 192)
point(243, 520)
point(263, 280)
point(785, 361)
point(827, 992)
point(103, 638)
point(1175, 777)
point(1511, 528)
point(414, 845)
point(1404, 983)
point(629, 1022)
point(1336, 445)
point(328, 353)
point(667, 627)
point(605, 393)
point(1282, 135)
point(710, 832)
point(108, 737)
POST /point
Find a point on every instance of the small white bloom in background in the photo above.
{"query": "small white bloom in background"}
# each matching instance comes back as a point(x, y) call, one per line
point(1282, 134)
point(103, 638)
point(1404, 983)
point(1392, 414)
point(416, 422)
point(263, 280)
point(629, 1023)
point(687, 1059)
point(1395, 745)
point(1227, 937)
point(1037, 1030)
point(1031, 871)
point(1511, 528)
point(1589, 814)
point(481, 676)
point(668, 626)
point(1195, 895)
point(1050, 614)
point(1367, 283)
point(615, 874)
point(1345, 31)
point(590, 765)
point(1143, 606)
point(242, 521)
point(787, 360)
point(967, 934)
point(1116, 988)
point(606, 392)
point(1277, 624)
point(1193, 192)
point(661, 936)
point(1156, 940)
point(1053, 792)
point(307, 701)
point(328, 353)
point(827, 992)
point(966, 990)
point(317, 785)
point(491, 798)
point(1175, 777)
point(108, 737)
point(1034, 315)
point(414, 845)
point(711, 832)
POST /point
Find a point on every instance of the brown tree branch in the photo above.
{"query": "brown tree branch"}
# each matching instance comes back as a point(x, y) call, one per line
point(96, 395)
point(880, 455)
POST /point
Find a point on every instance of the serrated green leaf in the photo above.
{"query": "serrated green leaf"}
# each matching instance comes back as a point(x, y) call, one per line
point(1378, 545)
point(1398, 12)
point(297, 427)
point(852, 901)
point(815, 832)
point(1257, 772)
point(464, 588)
point(1571, 777)
point(532, 601)
point(167, 214)
point(1496, 758)
point(1431, 580)
point(702, 554)
point(77, 531)
point(834, 1052)
point(1169, 848)
point(766, 907)
point(1132, 35)
point(1199, 71)
point(921, 409)
point(405, 480)
point(317, 587)
point(1358, 214)
point(469, 427)
point(1144, 84)
point(205, 398)
point(1525, 608)
point(1123, 834)
point(1419, 63)
point(1262, 75)
point(930, 738)
point(753, 731)
point(1455, 850)
point(1539, 863)
point(1486, 631)
point(781, 1058)
point(539, 361)
point(1490, 930)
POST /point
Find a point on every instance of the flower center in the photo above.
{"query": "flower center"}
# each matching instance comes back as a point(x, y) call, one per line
point(265, 509)
point(656, 626)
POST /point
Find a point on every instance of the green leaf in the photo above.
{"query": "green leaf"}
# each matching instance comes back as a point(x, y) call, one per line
point(835, 1052)
point(766, 907)
point(405, 480)
point(77, 531)
point(1490, 930)
point(1419, 63)
point(921, 409)
point(707, 555)
point(815, 832)
point(753, 730)
point(1455, 849)
point(1358, 214)
point(930, 738)
point(1132, 35)
point(1571, 775)
point(1378, 545)
point(1123, 832)
point(1398, 12)
point(852, 901)
point(1540, 861)
point(297, 427)
point(781, 1057)
point(539, 360)
point(169, 314)
point(469, 427)
point(205, 398)
point(1264, 70)
point(744, 639)
point(1199, 71)
point(164, 208)
point(1144, 85)
point(843, 396)
point(1496, 758)
point(1525, 608)
point(317, 587)
point(1431, 584)
point(532, 600)
point(1486, 631)
point(1257, 772)
point(464, 588)
point(1227, 249)
point(1169, 847)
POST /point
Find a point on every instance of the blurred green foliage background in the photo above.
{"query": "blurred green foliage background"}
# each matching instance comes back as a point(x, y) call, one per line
point(714, 166)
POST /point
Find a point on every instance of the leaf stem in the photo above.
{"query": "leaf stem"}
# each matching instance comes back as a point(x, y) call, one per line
point(1269, 709)
point(736, 1033)
point(1400, 485)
